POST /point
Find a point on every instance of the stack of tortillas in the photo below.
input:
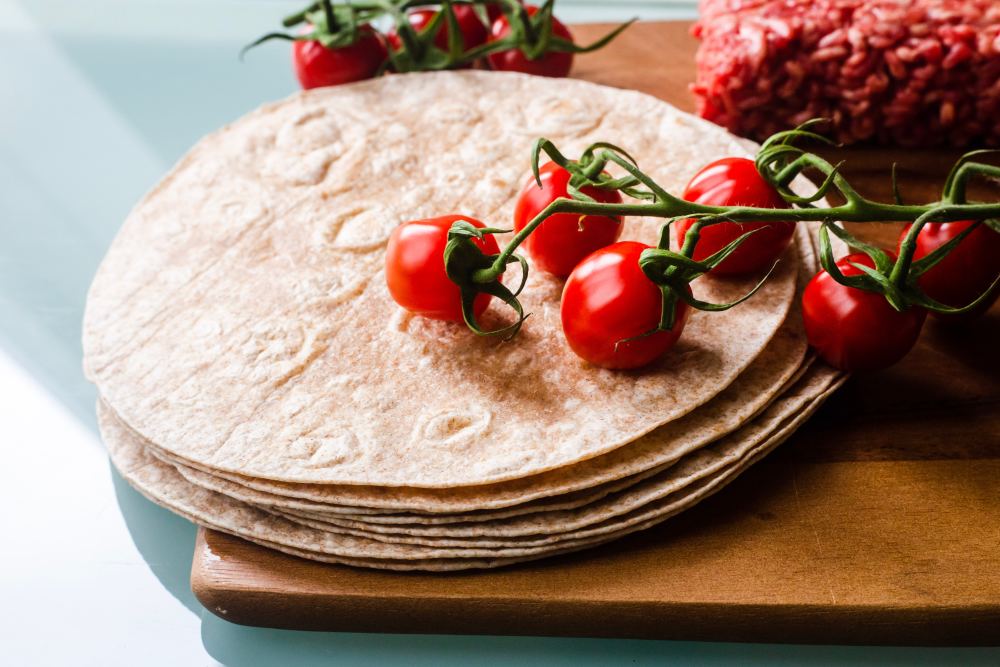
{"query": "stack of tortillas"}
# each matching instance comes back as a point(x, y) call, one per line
point(256, 377)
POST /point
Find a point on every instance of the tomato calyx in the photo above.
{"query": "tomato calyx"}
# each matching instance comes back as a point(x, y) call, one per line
point(587, 170)
point(673, 273)
point(472, 270)
point(337, 25)
point(531, 32)
point(418, 50)
point(779, 161)
point(332, 25)
point(896, 278)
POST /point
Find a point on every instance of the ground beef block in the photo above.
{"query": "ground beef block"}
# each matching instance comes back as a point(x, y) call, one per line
point(905, 72)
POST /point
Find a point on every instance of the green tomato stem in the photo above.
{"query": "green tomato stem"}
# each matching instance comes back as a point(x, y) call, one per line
point(861, 210)
point(562, 205)
point(779, 162)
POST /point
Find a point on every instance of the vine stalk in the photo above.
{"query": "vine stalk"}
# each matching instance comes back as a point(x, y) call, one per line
point(779, 162)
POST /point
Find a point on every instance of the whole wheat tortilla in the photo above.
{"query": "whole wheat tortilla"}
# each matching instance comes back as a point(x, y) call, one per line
point(565, 487)
point(320, 511)
point(241, 321)
point(549, 526)
point(578, 484)
point(652, 452)
point(164, 485)
point(307, 509)
point(310, 509)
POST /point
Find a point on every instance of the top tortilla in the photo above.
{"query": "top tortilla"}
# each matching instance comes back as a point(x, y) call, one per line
point(240, 319)
point(752, 391)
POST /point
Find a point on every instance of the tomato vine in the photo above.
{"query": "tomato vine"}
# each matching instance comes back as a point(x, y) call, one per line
point(533, 31)
point(779, 161)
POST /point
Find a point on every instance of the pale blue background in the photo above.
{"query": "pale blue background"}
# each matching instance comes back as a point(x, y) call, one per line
point(97, 99)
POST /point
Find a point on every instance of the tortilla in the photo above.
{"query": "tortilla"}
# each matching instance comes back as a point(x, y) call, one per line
point(550, 526)
point(241, 322)
point(576, 485)
point(164, 485)
point(560, 489)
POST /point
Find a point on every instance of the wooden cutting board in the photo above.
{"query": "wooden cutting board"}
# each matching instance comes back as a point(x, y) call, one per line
point(879, 522)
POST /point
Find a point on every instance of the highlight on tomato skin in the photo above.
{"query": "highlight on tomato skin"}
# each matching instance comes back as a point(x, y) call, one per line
point(317, 66)
point(564, 239)
point(554, 63)
point(608, 300)
point(735, 181)
point(415, 272)
point(966, 272)
point(853, 329)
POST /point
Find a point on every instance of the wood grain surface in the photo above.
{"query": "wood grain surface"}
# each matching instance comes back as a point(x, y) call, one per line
point(877, 523)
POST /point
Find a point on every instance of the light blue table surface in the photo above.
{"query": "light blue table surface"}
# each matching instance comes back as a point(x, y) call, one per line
point(97, 99)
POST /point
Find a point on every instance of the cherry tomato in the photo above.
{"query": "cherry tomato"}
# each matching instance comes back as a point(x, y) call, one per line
point(735, 181)
point(554, 63)
point(966, 272)
point(558, 244)
point(317, 66)
point(855, 330)
point(473, 31)
point(414, 268)
point(607, 300)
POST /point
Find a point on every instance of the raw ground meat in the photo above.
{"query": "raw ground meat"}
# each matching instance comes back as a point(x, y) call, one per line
point(905, 72)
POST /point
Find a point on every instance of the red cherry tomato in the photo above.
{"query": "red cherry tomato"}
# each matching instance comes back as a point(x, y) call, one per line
point(855, 330)
point(607, 300)
point(966, 272)
point(472, 29)
point(558, 244)
point(414, 268)
point(317, 66)
point(735, 181)
point(554, 63)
